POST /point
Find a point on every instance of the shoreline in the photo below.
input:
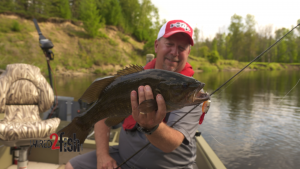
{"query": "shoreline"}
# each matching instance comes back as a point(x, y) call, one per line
point(112, 69)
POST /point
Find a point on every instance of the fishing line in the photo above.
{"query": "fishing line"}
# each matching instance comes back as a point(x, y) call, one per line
point(230, 83)
point(290, 90)
point(216, 140)
point(141, 156)
point(254, 59)
point(217, 89)
point(280, 101)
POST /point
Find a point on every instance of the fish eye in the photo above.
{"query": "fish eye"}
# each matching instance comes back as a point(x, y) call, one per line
point(185, 85)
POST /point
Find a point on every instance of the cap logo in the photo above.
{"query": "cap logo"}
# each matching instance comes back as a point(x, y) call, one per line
point(180, 24)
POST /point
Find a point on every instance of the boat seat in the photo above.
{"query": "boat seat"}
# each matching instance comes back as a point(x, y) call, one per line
point(195, 166)
point(24, 93)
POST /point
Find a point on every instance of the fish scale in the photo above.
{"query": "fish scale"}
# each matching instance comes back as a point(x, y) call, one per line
point(111, 97)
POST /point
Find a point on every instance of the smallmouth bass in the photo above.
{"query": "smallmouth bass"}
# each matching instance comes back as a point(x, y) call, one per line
point(111, 97)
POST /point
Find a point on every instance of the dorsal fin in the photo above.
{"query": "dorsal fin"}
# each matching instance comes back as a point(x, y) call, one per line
point(93, 91)
point(129, 70)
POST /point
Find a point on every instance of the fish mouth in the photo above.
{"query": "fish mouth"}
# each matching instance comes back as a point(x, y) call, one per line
point(200, 96)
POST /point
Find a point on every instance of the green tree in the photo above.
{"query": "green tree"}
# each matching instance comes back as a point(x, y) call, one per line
point(203, 51)
point(249, 38)
point(298, 28)
point(221, 44)
point(214, 44)
point(144, 26)
point(213, 56)
point(264, 38)
point(130, 11)
point(281, 48)
point(54, 8)
point(228, 45)
point(75, 8)
point(90, 17)
point(111, 11)
point(236, 39)
point(291, 47)
point(196, 35)
point(65, 10)
point(298, 42)
point(7, 5)
point(149, 47)
point(195, 49)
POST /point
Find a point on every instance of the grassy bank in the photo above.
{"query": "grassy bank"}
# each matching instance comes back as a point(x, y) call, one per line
point(75, 52)
point(202, 64)
point(73, 49)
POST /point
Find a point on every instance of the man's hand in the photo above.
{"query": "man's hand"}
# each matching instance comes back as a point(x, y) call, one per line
point(148, 120)
point(106, 162)
point(165, 138)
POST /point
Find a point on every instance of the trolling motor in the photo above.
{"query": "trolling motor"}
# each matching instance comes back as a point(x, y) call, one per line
point(45, 45)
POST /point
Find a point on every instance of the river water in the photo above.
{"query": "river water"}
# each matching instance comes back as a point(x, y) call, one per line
point(252, 123)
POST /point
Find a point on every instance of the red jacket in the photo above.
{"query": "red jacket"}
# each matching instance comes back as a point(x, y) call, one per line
point(129, 122)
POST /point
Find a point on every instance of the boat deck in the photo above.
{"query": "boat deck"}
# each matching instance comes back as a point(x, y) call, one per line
point(53, 159)
point(38, 165)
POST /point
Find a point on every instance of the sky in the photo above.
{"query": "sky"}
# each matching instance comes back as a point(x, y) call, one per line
point(213, 16)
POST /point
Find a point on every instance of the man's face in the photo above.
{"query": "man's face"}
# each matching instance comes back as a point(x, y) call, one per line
point(172, 52)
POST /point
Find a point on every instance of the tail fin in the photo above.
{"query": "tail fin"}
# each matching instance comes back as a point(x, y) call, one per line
point(77, 127)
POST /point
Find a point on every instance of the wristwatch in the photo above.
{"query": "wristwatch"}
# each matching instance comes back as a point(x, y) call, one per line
point(145, 131)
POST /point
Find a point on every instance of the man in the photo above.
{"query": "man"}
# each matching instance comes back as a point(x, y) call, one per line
point(170, 147)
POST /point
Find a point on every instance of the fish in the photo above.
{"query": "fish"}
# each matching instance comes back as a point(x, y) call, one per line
point(111, 97)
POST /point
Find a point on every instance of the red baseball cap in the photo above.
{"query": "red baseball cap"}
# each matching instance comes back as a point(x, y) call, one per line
point(176, 26)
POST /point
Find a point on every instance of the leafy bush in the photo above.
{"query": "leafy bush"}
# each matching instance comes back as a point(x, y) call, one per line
point(102, 35)
point(15, 26)
point(203, 51)
point(100, 71)
point(149, 47)
point(208, 68)
point(213, 57)
point(113, 43)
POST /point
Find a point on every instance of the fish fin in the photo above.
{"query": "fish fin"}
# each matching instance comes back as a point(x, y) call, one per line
point(112, 121)
point(77, 127)
point(93, 91)
point(148, 106)
point(129, 70)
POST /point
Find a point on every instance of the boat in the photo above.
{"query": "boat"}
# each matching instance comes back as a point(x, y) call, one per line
point(54, 159)
point(20, 151)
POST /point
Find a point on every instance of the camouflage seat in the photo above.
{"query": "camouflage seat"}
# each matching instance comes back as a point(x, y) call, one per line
point(24, 93)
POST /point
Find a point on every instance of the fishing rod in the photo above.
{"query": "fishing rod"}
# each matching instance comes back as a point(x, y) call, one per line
point(216, 90)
